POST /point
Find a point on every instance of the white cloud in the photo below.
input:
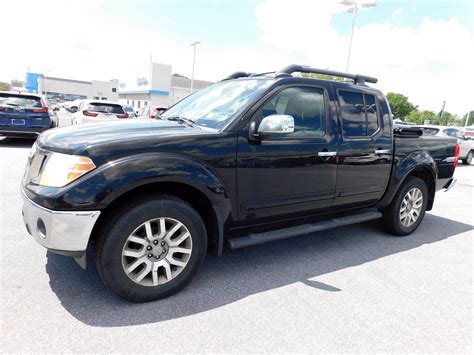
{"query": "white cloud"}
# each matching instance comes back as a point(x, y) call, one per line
point(429, 63)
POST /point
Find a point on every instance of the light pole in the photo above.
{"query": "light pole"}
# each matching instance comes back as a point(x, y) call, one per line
point(194, 44)
point(354, 7)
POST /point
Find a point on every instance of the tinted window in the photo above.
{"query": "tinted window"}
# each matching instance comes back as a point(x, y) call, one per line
point(359, 114)
point(429, 131)
point(106, 108)
point(20, 100)
point(352, 113)
point(371, 111)
point(304, 104)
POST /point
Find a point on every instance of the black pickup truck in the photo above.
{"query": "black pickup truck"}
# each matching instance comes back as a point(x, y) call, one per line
point(251, 159)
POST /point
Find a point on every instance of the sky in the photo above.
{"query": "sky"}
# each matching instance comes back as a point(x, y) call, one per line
point(422, 49)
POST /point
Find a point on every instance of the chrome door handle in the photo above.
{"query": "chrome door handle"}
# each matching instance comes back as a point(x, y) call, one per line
point(327, 154)
point(382, 151)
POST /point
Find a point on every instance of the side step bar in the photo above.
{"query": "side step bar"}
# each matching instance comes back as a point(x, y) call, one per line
point(260, 238)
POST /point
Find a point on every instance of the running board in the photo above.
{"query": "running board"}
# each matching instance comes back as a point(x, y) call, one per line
point(260, 238)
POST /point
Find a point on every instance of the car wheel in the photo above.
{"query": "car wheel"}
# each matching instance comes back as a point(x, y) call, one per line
point(151, 250)
point(468, 159)
point(407, 209)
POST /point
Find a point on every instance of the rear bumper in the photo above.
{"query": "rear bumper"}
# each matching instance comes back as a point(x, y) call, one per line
point(21, 131)
point(450, 184)
point(63, 232)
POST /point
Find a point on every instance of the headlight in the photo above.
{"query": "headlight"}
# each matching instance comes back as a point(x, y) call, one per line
point(61, 169)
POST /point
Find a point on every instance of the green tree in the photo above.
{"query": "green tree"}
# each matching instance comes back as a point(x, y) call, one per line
point(400, 105)
point(419, 117)
point(470, 121)
point(4, 86)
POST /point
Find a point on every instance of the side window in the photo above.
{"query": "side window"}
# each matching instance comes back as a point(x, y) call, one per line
point(358, 113)
point(304, 104)
point(371, 111)
point(353, 115)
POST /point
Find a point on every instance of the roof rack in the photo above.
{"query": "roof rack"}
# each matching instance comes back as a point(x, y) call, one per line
point(294, 68)
point(237, 74)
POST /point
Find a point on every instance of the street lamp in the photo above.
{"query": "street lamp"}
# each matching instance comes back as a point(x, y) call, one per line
point(194, 44)
point(354, 7)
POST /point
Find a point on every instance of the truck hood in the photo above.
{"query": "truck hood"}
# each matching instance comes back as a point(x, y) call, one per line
point(77, 139)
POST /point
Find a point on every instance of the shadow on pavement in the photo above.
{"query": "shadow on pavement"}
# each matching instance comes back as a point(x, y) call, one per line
point(240, 273)
point(17, 142)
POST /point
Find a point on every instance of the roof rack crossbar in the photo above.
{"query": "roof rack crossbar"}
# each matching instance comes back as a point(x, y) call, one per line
point(237, 74)
point(294, 68)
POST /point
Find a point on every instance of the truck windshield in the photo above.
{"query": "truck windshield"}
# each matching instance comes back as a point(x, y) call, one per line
point(216, 105)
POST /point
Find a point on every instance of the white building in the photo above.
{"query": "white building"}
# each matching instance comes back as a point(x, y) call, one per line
point(59, 89)
point(159, 88)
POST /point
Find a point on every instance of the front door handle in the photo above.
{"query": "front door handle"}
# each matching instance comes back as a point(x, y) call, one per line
point(382, 151)
point(327, 154)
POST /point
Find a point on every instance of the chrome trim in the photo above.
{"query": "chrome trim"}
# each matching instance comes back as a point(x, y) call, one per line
point(382, 151)
point(450, 184)
point(2, 132)
point(327, 154)
point(65, 231)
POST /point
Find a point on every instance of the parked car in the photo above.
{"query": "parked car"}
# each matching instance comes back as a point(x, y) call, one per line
point(151, 111)
point(130, 111)
point(248, 160)
point(466, 144)
point(72, 106)
point(24, 115)
point(93, 111)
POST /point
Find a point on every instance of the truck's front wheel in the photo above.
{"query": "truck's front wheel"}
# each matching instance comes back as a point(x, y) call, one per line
point(408, 207)
point(151, 250)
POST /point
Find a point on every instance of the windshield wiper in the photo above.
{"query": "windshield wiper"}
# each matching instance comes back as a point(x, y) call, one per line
point(182, 120)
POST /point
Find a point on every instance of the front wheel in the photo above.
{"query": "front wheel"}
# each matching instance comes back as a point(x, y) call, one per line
point(407, 209)
point(151, 250)
point(468, 159)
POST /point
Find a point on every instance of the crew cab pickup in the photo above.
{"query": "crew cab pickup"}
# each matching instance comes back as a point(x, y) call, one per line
point(250, 159)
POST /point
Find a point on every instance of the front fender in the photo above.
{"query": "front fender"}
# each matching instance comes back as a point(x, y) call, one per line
point(98, 189)
point(403, 166)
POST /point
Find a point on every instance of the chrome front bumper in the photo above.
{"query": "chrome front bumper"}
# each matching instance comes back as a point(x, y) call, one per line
point(64, 232)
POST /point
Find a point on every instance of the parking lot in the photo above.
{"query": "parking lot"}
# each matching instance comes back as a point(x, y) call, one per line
point(351, 289)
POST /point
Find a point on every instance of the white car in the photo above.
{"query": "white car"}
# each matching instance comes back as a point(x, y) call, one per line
point(95, 111)
point(466, 143)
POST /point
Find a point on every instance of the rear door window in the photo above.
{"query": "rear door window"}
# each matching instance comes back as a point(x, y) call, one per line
point(359, 114)
point(20, 100)
point(105, 108)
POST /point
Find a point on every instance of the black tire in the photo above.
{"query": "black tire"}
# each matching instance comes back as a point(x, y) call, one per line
point(391, 214)
point(468, 159)
point(113, 236)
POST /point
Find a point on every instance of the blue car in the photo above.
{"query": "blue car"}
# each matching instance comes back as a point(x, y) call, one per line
point(24, 115)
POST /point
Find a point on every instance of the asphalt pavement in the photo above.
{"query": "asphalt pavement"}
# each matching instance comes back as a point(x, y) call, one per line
point(352, 289)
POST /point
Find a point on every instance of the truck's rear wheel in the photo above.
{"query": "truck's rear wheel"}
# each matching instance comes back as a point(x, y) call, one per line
point(407, 209)
point(151, 250)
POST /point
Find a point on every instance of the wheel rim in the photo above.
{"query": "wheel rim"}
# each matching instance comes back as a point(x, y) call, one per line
point(410, 208)
point(157, 251)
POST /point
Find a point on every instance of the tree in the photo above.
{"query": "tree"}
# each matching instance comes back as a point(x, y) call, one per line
point(470, 121)
point(419, 117)
point(4, 86)
point(400, 105)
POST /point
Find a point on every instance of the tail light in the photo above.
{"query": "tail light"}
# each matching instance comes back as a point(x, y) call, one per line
point(42, 110)
point(90, 114)
point(457, 152)
point(125, 115)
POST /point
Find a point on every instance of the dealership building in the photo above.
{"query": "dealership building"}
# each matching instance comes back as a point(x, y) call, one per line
point(157, 87)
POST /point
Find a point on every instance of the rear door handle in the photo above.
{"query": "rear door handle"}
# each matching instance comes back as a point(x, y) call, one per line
point(327, 154)
point(382, 151)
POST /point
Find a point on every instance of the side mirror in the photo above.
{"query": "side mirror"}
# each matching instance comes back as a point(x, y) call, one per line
point(275, 125)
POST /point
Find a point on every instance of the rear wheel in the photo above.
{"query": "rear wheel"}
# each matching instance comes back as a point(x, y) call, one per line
point(408, 207)
point(151, 250)
point(468, 159)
